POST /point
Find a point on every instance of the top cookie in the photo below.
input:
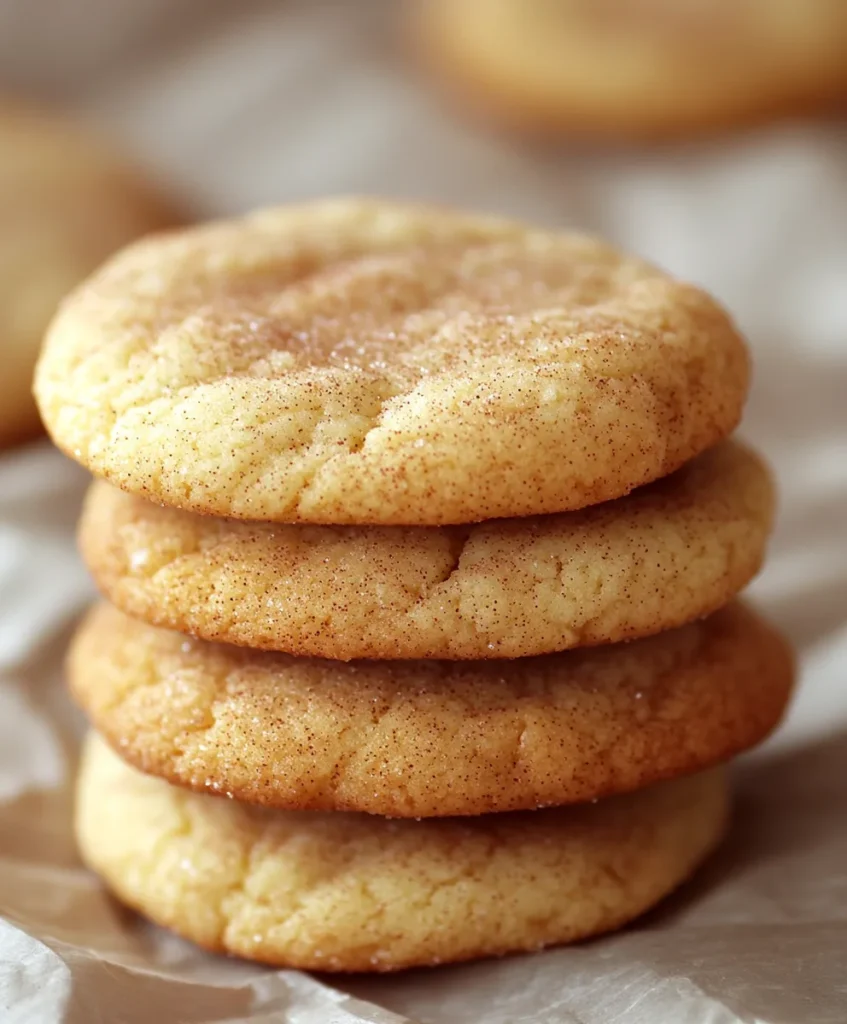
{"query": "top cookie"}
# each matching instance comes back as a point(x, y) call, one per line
point(369, 362)
point(66, 203)
point(640, 68)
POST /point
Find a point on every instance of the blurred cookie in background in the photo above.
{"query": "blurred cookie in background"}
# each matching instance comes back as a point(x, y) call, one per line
point(66, 203)
point(637, 68)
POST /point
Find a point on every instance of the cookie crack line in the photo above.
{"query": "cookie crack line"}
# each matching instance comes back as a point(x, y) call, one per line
point(355, 449)
point(458, 540)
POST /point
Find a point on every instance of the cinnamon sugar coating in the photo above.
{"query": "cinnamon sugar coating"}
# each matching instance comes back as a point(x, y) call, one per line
point(345, 892)
point(430, 738)
point(669, 552)
point(357, 361)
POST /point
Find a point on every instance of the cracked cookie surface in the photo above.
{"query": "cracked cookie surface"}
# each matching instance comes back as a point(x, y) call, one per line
point(345, 892)
point(668, 553)
point(357, 361)
point(66, 203)
point(430, 738)
point(637, 68)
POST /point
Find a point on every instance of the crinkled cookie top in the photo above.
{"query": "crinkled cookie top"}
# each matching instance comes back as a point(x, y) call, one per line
point(369, 362)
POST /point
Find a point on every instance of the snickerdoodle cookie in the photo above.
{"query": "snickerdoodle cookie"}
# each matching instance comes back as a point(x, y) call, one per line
point(638, 68)
point(430, 738)
point(667, 553)
point(66, 203)
point(347, 892)
point(356, 361)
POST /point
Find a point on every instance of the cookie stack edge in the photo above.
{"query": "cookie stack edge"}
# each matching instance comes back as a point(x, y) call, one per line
point(329, 403)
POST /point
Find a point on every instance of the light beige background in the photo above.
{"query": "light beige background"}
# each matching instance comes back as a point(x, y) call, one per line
point(243, 103)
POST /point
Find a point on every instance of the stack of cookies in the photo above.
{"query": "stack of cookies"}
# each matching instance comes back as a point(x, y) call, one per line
point(385, 493)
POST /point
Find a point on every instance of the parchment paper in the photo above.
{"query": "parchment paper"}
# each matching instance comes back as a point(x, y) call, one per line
point(239, 105)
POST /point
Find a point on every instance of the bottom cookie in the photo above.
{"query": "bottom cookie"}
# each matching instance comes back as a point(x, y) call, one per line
point(349, 892)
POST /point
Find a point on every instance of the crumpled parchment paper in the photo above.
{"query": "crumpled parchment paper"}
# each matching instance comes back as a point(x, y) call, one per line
point(240, 105)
